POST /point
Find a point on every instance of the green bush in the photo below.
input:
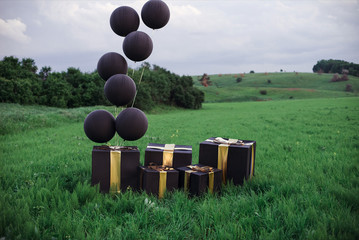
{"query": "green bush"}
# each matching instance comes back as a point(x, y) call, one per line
point(20, 83)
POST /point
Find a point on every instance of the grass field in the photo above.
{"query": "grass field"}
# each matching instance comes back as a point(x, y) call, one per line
point(283, 86)
point(306, 184)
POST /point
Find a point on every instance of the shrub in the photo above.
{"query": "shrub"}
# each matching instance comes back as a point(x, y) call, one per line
point(349, 88)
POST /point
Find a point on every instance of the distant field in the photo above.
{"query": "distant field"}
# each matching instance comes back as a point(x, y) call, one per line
point(282, 86)
point(306, 184)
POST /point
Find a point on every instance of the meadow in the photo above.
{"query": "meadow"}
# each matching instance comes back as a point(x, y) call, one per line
point(306, 183)
point(278, 86)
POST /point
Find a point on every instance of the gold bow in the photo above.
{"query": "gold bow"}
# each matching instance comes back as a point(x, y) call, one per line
point(230, 141)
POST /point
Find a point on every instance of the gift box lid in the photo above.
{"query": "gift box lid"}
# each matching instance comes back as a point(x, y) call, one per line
point(115, 148)
point(205, 171)
point(157, 168)
point(231, 142)
point(156, 147)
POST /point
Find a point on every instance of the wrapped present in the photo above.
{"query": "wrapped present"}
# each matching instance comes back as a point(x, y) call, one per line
point(115, 168)
point(158, 179)
point(235, 157)
point(170, 155)
point(198, 179)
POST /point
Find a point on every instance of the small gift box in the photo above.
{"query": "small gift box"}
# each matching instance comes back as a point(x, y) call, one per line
point(158, 179)
point(198, 179)
point(170, 155)
point(235, 157)
point(115, 168)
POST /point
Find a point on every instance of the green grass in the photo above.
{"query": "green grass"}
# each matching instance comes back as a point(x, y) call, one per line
point(306, 184)
point(283, 86)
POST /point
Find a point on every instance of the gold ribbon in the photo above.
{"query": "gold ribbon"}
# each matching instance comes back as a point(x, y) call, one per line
point(210, 181)
point(222, 160)
point(168, 154)
point(252, 162)
point(162, 184)
point(115, 171)
point(162, 178)
point(187, 175)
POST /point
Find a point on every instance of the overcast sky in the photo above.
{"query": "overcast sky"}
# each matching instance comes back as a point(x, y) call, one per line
point(201, 36)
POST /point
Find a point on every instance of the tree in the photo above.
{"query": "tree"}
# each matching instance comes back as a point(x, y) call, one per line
point(336, 66)
point(44, 72)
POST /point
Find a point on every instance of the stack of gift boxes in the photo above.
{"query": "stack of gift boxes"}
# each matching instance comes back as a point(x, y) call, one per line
point(168, 167)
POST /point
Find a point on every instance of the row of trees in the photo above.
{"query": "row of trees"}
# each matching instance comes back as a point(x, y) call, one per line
point(336, 66)
point(20, 82)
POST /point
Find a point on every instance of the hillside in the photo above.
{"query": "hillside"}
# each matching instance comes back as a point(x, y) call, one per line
point(278, 86)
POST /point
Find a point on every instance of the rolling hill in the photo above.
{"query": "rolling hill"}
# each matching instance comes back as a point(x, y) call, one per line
point(275, 86)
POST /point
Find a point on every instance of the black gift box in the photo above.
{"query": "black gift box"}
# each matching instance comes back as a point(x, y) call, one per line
point(240, 158)
point(168, 154)
point(151, 178)
point(197, 181)
point(115, 168)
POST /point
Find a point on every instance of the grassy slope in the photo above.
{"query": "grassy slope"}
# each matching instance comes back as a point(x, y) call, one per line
point(283, 86)
point(306, 183)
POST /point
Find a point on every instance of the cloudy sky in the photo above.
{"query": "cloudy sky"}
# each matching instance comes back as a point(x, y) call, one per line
point(201, 36)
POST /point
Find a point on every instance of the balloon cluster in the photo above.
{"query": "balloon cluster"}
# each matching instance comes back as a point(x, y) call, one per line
point(131, 124)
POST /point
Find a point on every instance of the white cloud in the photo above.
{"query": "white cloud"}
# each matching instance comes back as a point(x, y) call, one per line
point(201, 36)
point(14, 29)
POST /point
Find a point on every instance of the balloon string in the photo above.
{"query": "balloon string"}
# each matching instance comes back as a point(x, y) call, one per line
point(118, 140)
point(139, 82)
point(116, 137)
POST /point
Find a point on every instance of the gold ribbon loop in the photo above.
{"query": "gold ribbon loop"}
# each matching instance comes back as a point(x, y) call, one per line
point(115, 171)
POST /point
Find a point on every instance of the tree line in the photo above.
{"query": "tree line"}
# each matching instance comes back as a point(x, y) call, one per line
point(21, 82)
point(336, 66)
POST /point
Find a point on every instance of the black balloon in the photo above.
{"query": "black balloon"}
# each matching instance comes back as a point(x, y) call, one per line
point(110, 64)
point(137, 46)
point(155, 14)
point(100, 126)
point(131, 124)
point(120, 89)
point(124, 20)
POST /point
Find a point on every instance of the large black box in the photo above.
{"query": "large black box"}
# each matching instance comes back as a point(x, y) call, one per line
point(115, 168)
point(157, 180)
point(168, 155)
point(235, 157)
point(198, 179)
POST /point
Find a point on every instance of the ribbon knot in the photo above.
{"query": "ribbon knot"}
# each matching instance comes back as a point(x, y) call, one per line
point(230, 141)
point(159, 167)
point(204, 169)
